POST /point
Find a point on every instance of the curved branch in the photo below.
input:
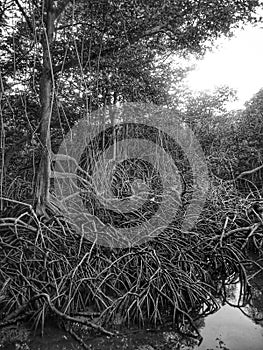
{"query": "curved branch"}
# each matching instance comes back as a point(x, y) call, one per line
point(249, 172)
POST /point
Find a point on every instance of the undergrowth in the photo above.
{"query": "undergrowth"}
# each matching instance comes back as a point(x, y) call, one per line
point(47, 269)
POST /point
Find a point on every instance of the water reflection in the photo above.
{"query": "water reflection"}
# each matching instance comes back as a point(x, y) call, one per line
point(235, 328)
point(230, 328)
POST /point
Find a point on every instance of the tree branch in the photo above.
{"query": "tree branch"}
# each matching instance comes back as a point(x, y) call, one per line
point(75, 61)
point(244, 173)
point(249, 172)
point(30, 26)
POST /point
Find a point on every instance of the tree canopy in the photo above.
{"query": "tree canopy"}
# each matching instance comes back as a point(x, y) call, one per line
point(62, 59)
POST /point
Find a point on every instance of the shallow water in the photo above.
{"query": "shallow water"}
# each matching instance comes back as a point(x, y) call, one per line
point(227, 329)
point(230, 328)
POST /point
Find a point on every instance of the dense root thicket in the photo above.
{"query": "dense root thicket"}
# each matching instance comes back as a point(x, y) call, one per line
point(47, 269)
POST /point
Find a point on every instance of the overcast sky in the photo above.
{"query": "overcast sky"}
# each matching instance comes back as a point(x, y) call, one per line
point(238, 63)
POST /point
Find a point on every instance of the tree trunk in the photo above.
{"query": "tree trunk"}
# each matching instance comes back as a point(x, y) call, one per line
point(42, 183)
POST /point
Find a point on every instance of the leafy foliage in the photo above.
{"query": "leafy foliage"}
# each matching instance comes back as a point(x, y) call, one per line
point(61, 60)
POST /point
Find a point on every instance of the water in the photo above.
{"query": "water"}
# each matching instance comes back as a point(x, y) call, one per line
point(227, 329)
point(230, 328)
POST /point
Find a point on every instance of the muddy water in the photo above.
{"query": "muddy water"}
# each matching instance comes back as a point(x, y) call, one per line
point(235, 328)
point(230, 328)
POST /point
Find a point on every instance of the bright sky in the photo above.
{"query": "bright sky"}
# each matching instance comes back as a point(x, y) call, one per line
point(238, 63)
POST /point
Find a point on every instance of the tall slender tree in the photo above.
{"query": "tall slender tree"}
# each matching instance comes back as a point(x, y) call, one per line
point(54, 40)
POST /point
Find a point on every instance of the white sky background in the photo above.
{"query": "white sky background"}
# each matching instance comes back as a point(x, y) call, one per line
point(237, 62)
